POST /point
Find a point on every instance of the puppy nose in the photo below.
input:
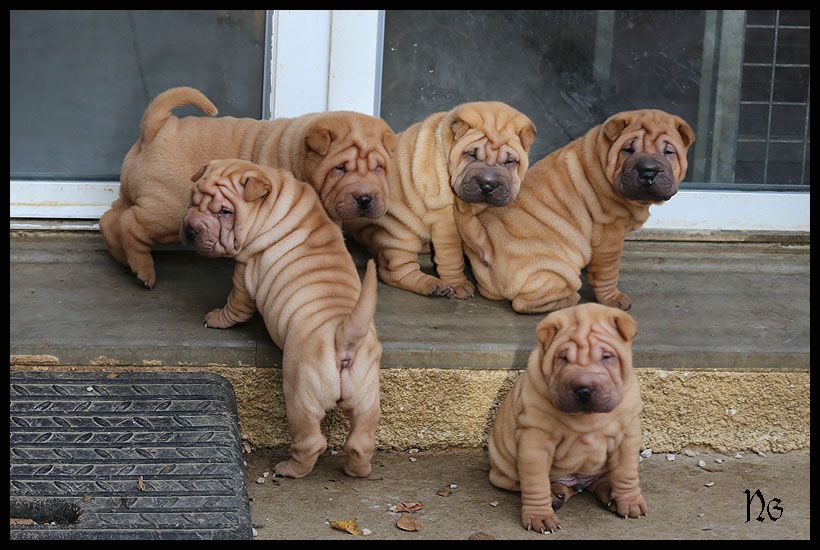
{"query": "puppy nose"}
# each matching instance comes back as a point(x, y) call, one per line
point(583, 393)
point(364, 201)
point(487, 183)
point(648, 170)
point(190, 233)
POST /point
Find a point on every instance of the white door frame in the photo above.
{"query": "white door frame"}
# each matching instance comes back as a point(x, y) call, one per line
point(328, 60)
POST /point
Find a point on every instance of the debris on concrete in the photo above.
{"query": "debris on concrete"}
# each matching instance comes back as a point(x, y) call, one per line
point(494, 503)
point(265, 474)
point(739, 455)
point(253, 530)
point(709, 484)
point(409, 523)
point(246, 447)
point(646, 453)
point(701, 464)
point(406, 507)
point(333, 452)
point(443, 492)
point(719, 460)
point(366, 532)
point(687, 452)
point(670, 457)
point(413, 450)
point(413, 459)
point(480, 535)
point(260, 480)
point(453, 486)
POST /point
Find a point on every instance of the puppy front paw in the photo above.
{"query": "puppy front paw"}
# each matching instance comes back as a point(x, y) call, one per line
point(462, 289)
point(147, 275)
point(290, 468)
point(540, 519)
point(631, 507)
point(615, 298)
point(217, 319)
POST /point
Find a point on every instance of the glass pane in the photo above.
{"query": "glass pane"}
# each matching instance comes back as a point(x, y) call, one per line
point(80, 80)
point(569, 70)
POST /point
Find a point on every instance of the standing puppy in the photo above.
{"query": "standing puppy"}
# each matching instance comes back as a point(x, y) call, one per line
point(470, 157)
point(343, 155)
point(575, 208)
point(292, 266)
point(572, 420)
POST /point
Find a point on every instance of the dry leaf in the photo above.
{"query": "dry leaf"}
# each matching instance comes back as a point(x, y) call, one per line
point(480, 535)
point(443, 492)
point(87, 498)
point(112, 375)
point(409, 523)
point(351, 526)
point(408, 507)
point(21, 521)
point(140, 484)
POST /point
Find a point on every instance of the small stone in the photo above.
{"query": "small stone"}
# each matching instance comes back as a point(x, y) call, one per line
point(334, 452)
point(453, 486)
point(700, 515)
point(640, 459)
point(253, 530)
point(412, 459)
point(494, 503)
point(739, 455)
point(709, 484)
point(260, 480)
point(413, 450)
point(366, 532)
point(265, 474)
point(701, 463)
point(719, 460)
point(731, 412)
point(670, 457)
point(246, 447)
point(687, 452)
point(646, 453)
point(760, 453)
point(89, 388)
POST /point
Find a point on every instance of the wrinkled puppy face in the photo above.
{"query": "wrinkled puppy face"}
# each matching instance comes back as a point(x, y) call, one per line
point(489, 143)
point(646, 158)
point(347, 157)
point(224, 197)
point(586, 353)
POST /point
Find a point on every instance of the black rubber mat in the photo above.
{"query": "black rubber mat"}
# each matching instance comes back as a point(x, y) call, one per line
point(126, 456)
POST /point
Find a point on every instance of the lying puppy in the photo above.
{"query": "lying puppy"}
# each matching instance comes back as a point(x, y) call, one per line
point(342, 154)
point(572, 419)
point(470, 157)
point(574, 210)
point(292, 266)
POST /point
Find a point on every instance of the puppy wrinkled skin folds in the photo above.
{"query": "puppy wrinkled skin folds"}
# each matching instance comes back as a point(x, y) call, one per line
point(573, 211)
point(343, 155)
point(293, 267)
point(571, 422)
point(468, 158)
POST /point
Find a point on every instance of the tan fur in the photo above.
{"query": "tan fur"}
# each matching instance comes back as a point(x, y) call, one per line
point(426, 174)
point(155, 180)
point(534, 445)
point(569, 215)
point(293, 267)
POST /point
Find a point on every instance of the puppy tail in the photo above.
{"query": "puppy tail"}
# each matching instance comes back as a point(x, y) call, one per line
point(351, 331)
point(160, 109)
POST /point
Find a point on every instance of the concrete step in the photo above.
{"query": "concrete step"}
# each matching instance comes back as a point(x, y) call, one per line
point(685, 501)
point(722, 347)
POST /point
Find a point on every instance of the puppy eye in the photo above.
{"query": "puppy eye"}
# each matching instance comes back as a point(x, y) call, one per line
point(379, 168)
point(472, 154)
point(669, 150)
point(225, 212)
point(342, 168)
point(629, 149)
point(511, 160)
point(606, 355)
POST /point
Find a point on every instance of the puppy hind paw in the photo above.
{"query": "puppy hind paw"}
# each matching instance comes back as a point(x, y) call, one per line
point(616, 299)
point(290, 468)
point(629, 507)
point(217, 319)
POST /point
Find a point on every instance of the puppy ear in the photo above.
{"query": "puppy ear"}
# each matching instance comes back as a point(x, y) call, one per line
point(199, 173)
point(686, 132)
point(318, 139)
point(546, 330)
point(614, 125)
point(256, 188)
point(458, 128)
point(527, 136)
point(625, 324)
point(390, 141)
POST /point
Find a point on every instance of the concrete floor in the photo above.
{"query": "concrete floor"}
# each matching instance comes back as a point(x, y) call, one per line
point(681, 506)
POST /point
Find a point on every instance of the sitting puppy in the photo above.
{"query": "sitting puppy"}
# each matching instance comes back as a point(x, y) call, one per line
point(470, 157)
point(575, 208)
point(572, 419)
point(292, 266)
point(342, 154)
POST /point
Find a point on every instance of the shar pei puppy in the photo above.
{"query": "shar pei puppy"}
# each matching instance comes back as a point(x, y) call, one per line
point(343, 155)
point(293, 267)
point(572, 419)
point(469, 158)
point(573, 211)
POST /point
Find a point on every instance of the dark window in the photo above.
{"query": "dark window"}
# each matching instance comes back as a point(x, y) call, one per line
point(80, 80)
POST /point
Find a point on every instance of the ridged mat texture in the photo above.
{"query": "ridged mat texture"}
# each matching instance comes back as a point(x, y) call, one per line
point(125, 456)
